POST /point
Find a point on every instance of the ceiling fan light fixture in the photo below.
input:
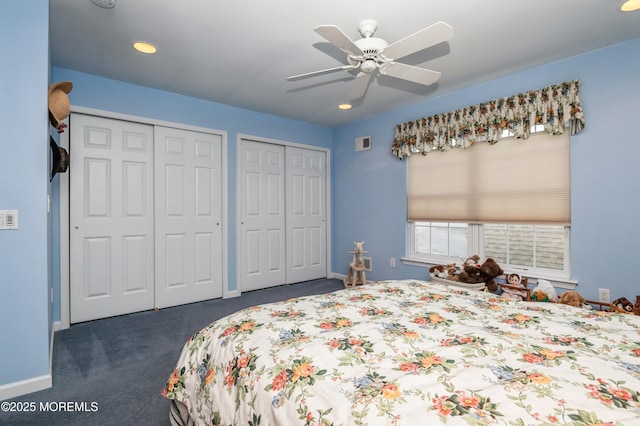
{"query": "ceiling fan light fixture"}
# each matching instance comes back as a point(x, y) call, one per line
point(630, 5)
point(369, 65)
point(144, 47)
point(345, 106)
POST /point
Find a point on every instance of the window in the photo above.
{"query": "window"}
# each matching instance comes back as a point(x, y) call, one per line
point(510, 202)
point(538, 250)
point(441, 239)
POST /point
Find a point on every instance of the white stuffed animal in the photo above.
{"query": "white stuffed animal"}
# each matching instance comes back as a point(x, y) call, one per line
point(545, 287)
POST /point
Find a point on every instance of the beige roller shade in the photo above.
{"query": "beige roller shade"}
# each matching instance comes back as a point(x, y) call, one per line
point(513, 181)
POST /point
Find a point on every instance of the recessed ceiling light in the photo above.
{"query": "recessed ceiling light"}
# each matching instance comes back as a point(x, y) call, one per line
point(344, 106)
point(144, 47)
point(630, 6)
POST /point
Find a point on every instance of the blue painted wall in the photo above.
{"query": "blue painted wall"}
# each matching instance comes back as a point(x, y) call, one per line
point(370, 186)
point(25, 320)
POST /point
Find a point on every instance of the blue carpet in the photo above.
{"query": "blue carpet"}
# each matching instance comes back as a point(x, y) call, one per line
point(112, 370)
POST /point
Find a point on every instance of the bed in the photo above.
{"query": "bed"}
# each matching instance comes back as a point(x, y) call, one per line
point(410, 353)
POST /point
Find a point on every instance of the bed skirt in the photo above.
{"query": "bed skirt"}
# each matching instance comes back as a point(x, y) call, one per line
point(179, 414)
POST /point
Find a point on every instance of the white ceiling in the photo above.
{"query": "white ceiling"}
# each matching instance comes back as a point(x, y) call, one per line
point(239, 52)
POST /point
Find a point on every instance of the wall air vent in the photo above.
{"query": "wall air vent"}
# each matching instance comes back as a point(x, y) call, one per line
point(363, 143)
point(367, 263)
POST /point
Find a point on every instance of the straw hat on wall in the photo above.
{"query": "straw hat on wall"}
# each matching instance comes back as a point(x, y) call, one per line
point(59, 104)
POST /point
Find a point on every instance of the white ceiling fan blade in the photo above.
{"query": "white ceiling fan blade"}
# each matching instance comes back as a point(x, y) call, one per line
point(325, 71)
point(411, 73)
point(339, 39)
point(426, 37)
point(360, 85)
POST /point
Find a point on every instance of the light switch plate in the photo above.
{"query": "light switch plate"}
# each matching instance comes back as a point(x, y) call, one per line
point(8, 219)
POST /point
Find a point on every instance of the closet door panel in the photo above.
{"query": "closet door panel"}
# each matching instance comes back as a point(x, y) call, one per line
point(261, 215)
point(188, 212)
point(306, 214)
point(111, 217)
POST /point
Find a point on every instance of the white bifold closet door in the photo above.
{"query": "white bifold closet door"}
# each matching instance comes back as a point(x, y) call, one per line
point(305, 214)
point(188, 215)
point(145, 217)
point(261, 240)
point(111, 218)
point(282, 215)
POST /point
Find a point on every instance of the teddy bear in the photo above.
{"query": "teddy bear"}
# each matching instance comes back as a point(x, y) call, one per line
point(622, 305)
point(572, 298)
point(484, 274)
point(470, 274)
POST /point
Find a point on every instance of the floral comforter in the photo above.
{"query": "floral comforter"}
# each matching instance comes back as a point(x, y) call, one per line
point(412, 353)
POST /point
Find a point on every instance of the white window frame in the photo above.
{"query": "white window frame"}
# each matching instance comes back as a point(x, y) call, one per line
point(475, 244)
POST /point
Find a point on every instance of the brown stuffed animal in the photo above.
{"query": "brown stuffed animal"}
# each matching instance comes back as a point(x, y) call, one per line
point(448, 272)
point(484, 274)
point(471, 275)
point(636, 307)
point(438, 271)
point(490, 269)
point(572, 298)
point(622, 305)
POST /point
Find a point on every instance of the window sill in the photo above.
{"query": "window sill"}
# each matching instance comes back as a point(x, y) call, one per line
point(557, 280)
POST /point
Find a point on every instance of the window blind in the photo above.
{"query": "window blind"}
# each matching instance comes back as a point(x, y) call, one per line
point(513, 181)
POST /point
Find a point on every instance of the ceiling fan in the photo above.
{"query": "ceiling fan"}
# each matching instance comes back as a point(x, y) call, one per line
point(369, 54)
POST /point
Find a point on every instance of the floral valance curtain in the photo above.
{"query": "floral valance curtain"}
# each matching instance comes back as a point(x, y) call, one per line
point(555, 107)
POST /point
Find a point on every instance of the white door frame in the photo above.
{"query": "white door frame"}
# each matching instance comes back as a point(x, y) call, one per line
point(327, 151)
point(65, 321)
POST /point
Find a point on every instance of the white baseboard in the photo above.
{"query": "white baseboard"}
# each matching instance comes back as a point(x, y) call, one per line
point(58, 325)
point(35, 384)
point(231, 294)
point(335, 275)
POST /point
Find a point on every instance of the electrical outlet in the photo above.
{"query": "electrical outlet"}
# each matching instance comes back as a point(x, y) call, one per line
point(392, 262)
point(603, 295)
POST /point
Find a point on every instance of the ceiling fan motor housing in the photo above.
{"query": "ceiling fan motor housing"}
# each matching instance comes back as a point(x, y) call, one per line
point(371, 47)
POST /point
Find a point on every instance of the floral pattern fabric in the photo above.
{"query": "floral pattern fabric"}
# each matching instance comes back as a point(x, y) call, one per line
point(412, 353)
point(553, 107)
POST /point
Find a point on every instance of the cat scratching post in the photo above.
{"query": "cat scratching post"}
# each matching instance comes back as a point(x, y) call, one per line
point(357, 274)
